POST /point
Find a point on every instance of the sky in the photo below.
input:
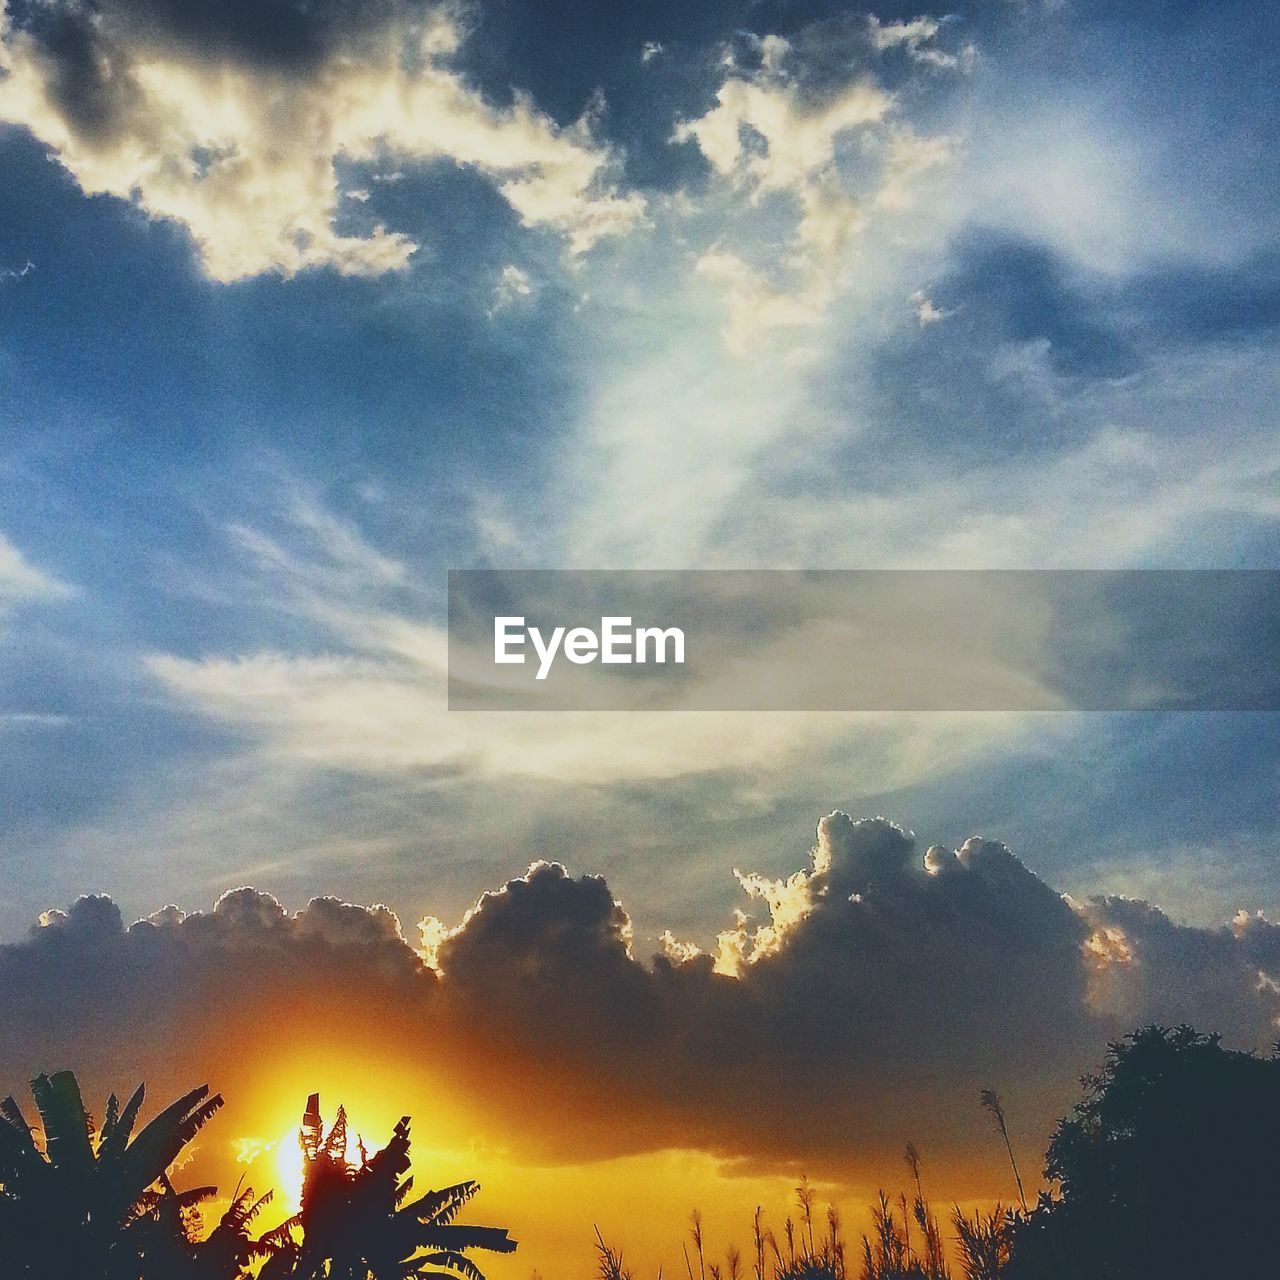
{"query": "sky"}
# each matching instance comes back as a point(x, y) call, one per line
point(302, 306)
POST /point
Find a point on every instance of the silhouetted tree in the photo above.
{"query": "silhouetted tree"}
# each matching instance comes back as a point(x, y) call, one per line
point(358, 1223)
point(1166, 1168)
point(75, 1205)
point(169, 1245)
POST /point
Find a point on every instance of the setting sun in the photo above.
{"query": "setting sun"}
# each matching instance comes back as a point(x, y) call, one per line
point(289, 1167)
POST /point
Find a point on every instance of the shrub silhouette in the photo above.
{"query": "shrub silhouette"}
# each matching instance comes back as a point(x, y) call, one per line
point(1166, 1168)
point(803, 1253)
point(983, 1242)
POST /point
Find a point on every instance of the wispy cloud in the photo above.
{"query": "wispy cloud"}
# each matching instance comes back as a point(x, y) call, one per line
point(376, 700)
point(22, 581)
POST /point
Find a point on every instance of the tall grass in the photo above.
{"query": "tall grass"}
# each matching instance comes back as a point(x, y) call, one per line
point(990, 1099)
point(905, 1242)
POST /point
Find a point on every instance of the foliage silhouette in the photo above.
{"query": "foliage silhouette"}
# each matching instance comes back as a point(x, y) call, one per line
point(1167, 1167)
point(984, 1243)
point(892, 1251)
point(990, 1100)
point(100, 1206)
point(357, 1222)
point(80, 1204)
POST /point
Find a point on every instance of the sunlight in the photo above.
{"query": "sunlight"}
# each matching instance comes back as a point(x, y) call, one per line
point(289, 1165)
point(289, 1171)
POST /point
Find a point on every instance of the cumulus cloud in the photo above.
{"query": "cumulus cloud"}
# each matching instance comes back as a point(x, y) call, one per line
point(874, 993)
point(1144, 965)
point(235, 124)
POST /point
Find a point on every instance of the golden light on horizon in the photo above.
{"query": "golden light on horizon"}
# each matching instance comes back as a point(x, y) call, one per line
point(640, 1200)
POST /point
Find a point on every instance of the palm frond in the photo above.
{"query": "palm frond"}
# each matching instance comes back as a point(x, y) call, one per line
point(494, 1239)
point(162, 1140)
point(12, 1113)
point(68, 1131)
point(115, 1139)
point(453, 1261)
point(439, 1208)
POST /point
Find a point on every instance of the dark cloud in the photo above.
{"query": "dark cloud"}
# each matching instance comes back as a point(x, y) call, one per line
point(877, 992)
point(89, 76)
point(1149, 968)
point(267, 33)
point(1182, 302)
point(89, 52)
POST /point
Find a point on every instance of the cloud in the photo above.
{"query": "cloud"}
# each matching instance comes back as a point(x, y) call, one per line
point(879, 989)
point(797, 140)
point(236, 125)
point(916, 36)
point(756, 305)
point(1145, 966)
point(927, 311)
point(21, 581)
point(514, 285)
point(838, 153)
point(371, 694)
point(857, 435)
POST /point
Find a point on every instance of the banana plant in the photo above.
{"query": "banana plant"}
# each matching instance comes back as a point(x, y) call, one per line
point(74, 1202)
point(359, 1222)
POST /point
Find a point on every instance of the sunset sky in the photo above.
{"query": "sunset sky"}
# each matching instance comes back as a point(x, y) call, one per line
point(303, 305)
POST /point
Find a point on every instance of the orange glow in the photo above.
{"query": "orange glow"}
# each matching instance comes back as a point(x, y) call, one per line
point(640, 1202)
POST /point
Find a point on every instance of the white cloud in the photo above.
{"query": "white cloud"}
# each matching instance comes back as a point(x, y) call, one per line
point(245, 155)
point(756, 305)
point(799, 141)
point(916, 36)
point(376, 700)
point(388, 715)
point(513, 285)
point(840, 159)
point(21, 581)
point(912, 33)
point(927, 311)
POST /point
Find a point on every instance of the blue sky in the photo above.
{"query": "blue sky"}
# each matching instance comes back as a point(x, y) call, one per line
point(300, 309)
